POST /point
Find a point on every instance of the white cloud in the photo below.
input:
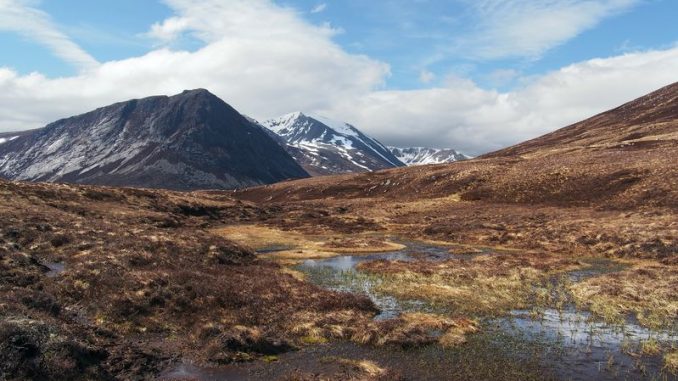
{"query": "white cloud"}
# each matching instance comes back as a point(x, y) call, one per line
point(465, 116)
point(319, 8)
point(519, 28)
point(20, 16)
point(261, 58)
point(169, 29)
point(265, 60)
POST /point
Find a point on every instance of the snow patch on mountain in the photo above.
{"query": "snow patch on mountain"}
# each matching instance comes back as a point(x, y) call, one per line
point(5, 140)
point(425, 155)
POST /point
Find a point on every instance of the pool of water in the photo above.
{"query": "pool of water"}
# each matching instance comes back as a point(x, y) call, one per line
point(584, 348)
point(547, 344)
point(576, 346)
point(339, 274)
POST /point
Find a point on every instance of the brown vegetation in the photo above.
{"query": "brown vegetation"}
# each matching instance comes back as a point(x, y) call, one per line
point(484, 285)
point(647, 290)
point(139, 280)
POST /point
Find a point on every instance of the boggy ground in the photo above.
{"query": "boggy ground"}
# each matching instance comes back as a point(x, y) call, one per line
point(153, 278)
point(103, 283)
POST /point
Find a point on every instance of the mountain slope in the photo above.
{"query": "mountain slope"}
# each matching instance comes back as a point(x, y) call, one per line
point(323, 146)
point(649, 121)
point(621, 159)
point(424, 155)
point(192, 140)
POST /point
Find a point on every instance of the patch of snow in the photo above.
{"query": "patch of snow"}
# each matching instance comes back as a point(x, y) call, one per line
point(340, 127)
point(9, 139)
point(425, 155)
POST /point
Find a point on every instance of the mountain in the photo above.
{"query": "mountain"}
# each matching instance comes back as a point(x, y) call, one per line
point(621, 159)
point(424, 155)
point(322, 146)
point(192, 140)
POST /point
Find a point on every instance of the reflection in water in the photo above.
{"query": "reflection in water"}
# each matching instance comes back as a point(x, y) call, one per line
point(339, 274)
point(589, 349)
point(348, 262)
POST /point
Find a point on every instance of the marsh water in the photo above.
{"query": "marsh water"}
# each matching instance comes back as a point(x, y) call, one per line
point(565, 344)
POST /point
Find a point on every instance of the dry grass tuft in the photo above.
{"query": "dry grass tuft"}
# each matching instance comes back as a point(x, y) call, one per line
point(491, 284)
point(671, 362)
point(647, 290)
point(293, 245)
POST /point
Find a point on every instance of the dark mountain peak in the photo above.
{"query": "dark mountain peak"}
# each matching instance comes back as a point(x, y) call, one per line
point(199, 90)
point(192, 140)
point(197, 94)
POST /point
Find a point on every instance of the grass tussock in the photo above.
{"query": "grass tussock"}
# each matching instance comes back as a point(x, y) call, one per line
point(671, 362)
point(408, 330)
point(341, 368)
point(367, 367)
point(484, 285)
point(647, 290)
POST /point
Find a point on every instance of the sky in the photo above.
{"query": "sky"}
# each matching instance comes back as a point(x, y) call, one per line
point(475, 75)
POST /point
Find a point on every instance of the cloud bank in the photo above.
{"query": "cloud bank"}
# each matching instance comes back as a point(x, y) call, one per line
point(266, 60)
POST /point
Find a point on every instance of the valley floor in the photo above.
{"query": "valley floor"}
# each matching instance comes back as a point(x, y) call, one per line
point(107, 283)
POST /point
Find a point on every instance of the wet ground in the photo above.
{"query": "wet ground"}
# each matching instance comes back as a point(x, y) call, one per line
point(538, 344)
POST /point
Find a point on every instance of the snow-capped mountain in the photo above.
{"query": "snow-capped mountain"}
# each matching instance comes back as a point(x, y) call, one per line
point(323, 146)
point(424, 155)
point(192, 140)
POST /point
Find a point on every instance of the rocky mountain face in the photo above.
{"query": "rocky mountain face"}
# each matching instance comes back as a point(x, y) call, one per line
point(323, 146)
point(192, 140)
point(424, 155)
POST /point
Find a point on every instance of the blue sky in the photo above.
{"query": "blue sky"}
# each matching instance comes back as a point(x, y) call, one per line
point(453, 61)
point(405, 34)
